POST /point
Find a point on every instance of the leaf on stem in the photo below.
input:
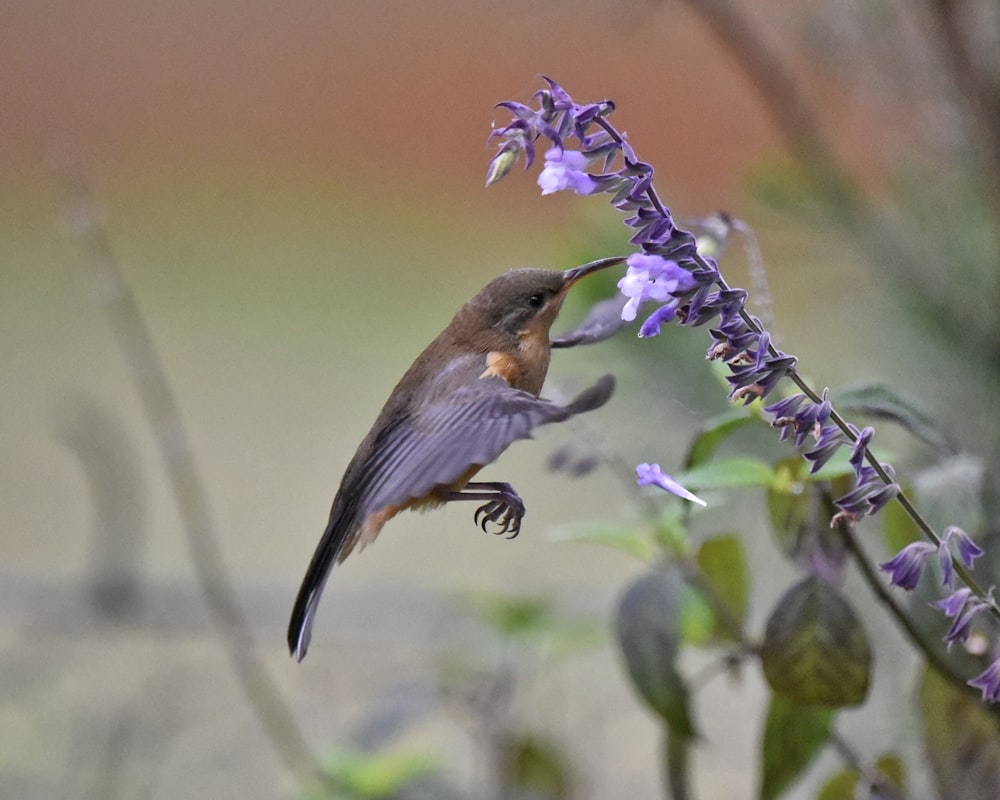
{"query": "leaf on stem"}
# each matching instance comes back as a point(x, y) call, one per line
point(961, 739)
point(883, 402)
point(649, 633)
point(714, 432)
point(815, 651)
point(724, 567)
point(793, 735)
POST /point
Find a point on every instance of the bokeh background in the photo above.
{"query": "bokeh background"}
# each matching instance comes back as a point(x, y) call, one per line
point(294, 194)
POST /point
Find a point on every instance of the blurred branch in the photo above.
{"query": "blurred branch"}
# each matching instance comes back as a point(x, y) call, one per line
point(779, 93)
point(878, 785)
point(958, 231)
point(171, 438)
point(112, 467)
point(976, 90)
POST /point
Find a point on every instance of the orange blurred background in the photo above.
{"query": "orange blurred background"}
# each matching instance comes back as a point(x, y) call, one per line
point(294, 192)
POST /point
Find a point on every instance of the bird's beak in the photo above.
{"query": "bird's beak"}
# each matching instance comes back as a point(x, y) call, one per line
point(571, 276)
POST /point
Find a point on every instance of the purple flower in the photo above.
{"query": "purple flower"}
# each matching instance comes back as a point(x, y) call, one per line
point(870, 493)
point(988, 681)
point(859, 448)
point(953, 604)
point(905, 569)
point(967, 609)
point(962, 606)
point(968, 550)
point(947, 568)
point(687, 286)
point(829, 438)
point(651, 327)
point(564, 169)
point(800, 415)
point(652, 474)
point(651, 277)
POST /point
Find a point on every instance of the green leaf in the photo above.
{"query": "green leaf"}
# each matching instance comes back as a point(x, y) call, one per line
point(882, 402)
point(715, 431)
point(532, 620)
point(840, 786)
point(893, 770)
point(791, 506)
point(534, 767)
point(793, 735)
point(724, 567)
point(628, 540)
point(698, 625)
point(728, 473)
point(513, 616)
point(377, 776)
point(815, 651)
point(961, 739)
point(649, 634)
point(800, 515)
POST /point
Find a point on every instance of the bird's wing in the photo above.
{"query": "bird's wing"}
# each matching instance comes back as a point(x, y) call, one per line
point(602, 322)
point(470, 427)
point(436, 446)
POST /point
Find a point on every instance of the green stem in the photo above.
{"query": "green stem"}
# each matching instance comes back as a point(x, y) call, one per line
point(835, 416)
point(919, 639)
point(901, 496)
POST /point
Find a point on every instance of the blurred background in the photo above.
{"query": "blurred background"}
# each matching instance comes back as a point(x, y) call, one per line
point(294, 195)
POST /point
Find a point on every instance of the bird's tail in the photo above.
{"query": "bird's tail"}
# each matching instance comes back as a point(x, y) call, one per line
point(327, 552)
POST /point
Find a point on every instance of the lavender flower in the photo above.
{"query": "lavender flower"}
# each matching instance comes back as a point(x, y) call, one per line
point(652, 277)
point(961, 607)
point(564, 169)
point(869, 495)
point(829, 440)
point(988, 682)
point(968, 550)
point(953, 604)
point(670, 273)
point(907, 566)
point(687, 287)
point(800, 415)
point(647, 474)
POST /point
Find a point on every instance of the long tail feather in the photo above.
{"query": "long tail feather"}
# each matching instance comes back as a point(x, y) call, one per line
point(323, 560)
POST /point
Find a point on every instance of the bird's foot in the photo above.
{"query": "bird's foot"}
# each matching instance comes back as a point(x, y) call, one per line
point(506, 511)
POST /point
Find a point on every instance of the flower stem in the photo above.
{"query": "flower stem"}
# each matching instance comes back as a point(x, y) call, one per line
point(901, 497)
point(913, 633)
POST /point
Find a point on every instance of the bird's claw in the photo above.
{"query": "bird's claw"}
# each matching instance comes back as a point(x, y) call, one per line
point(506, 511)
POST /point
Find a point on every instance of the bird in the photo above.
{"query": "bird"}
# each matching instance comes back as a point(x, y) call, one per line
point(471, 393)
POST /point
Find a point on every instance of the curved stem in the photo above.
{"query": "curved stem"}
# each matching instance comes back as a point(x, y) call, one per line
point(805, 388)
point(916, 636)
point(162, 410)
point(901, 497)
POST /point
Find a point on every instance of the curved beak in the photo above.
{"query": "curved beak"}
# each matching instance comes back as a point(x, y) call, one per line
point(571, 276)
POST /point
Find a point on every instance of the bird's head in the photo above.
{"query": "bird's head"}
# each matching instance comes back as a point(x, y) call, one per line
point(525, 302)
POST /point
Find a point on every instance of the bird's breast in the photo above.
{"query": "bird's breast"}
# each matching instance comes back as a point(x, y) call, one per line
point(523, 368)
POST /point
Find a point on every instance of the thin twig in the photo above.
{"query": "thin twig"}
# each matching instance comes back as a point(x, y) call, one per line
point(170, 435)
point(917, 637)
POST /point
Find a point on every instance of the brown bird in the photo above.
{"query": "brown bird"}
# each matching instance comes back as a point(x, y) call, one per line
point(466, 398)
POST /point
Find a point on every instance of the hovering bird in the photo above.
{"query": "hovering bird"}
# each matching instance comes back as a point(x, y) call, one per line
point(470, 394)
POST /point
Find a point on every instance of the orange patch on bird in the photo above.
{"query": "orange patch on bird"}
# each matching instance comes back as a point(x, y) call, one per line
point(503, 366)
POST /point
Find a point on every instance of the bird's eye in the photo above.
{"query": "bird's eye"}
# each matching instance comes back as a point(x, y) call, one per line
point(536, 300)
